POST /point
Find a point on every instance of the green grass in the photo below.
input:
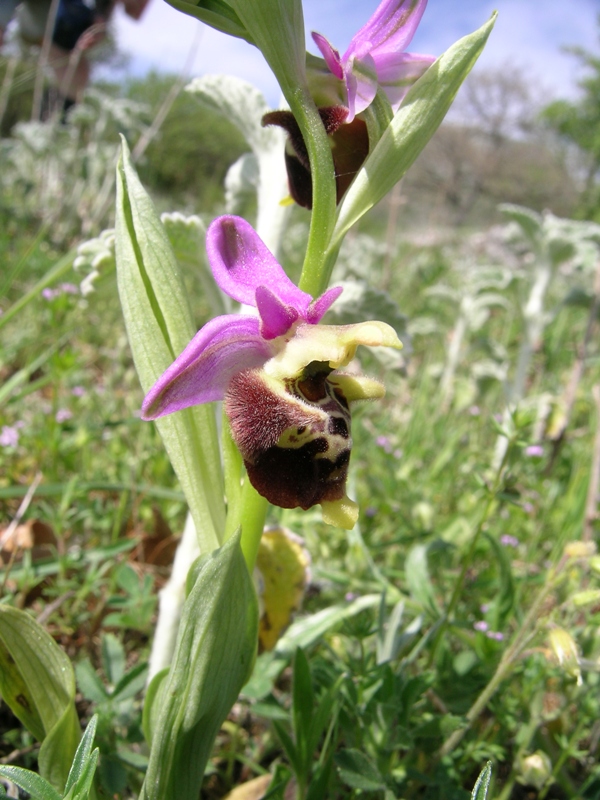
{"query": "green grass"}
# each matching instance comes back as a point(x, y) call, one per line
point(473, 552)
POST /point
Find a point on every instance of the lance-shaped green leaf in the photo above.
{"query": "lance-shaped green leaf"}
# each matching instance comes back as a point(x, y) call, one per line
point(216, 13)
point(81, 775)
point(411, 128)
point(36, 787)
point(38, 684)
point(480, 790)
point(159, 326)
point(214, 654)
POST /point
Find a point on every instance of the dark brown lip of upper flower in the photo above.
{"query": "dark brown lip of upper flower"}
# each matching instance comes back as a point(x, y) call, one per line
point(350, 147)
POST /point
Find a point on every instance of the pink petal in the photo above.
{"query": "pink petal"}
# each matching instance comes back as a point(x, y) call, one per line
point(330, 54)
point(241, 262)
point(361, 84)
point(398, 71)
point(275, 317)
point(391, 27)
point(319, 307)
point(223, 347)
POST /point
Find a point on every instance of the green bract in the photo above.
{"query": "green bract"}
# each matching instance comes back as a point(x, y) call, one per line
point(159, 325)
point(214, 655)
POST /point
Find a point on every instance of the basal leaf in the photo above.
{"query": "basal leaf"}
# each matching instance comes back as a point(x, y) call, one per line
point(35, 786)
point(38, 684)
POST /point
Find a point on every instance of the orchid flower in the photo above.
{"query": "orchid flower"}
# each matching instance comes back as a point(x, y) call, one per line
point(376, 58)
point(287, 404)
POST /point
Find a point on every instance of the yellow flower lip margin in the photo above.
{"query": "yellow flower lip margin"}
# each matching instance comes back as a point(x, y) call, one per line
point(332, 344)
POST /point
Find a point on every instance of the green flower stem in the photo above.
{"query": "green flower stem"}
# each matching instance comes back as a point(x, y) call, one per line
point(233, 470)
point(315, 275)
point(253, 515)
point(245, 507)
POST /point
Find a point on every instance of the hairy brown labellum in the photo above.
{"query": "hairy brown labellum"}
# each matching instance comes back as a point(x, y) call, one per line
point(349, 146)
point(294, 436)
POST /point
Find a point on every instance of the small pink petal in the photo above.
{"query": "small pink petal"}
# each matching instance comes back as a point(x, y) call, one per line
point(275, 317)
point(319, 307)
point(330, 54)
point(361, 84)
point(397, 72)
point(223, 347)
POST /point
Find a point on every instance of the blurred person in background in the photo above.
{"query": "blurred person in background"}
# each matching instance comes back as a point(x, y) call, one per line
point(78, 26)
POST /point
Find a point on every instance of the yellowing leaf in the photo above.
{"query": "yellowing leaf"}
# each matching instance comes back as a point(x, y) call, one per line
point(284, 566)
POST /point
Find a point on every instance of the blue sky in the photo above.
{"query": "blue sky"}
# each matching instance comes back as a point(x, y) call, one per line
point(528, 33)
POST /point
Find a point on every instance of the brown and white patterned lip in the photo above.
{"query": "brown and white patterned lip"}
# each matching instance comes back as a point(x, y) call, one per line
point(295, 442)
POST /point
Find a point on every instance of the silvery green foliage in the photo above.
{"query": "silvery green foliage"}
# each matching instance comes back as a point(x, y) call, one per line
point(65, 173)
point(358, 302)
point(549, 247)
point(241, 183)
point(358, 270)
point(95, 256)
point(186, 235)
point(360, 257)
point(244, 106)
point(469, 305)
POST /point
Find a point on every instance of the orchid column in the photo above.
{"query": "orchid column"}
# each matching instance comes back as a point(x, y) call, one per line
point(280, 372)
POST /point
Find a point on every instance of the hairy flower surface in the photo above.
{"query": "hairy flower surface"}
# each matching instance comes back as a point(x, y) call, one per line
point(287, 404)
point(376, 58)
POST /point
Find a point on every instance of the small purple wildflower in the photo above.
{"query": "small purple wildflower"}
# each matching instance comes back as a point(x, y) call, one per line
point(474, 411)
point(9, 436)
point(398, 453)
point(63, 414)
point(509, 541)
point(78, 391)
point(528, 508)
point(384, 442)
point(498, 636)
point(62, 288)
point(534, 451)
point(484, 608)
point(370, 511)
point(481, 625)
point(350, 596)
